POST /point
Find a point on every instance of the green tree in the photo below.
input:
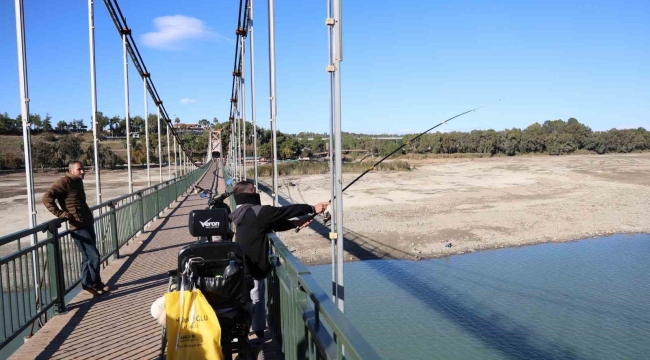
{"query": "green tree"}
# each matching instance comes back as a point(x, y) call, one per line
point(534, 138)
point(61, 126)
point(69, 148)
point(36, 121)
point(102, 121)
point(137, 124)
point(8, 126)
point(44, 155)
point(47, 123)
point(114, 124)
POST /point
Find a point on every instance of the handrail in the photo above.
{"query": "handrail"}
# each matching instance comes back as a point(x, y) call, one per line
point(324, 321)
point(37, 277)
point(26, 232)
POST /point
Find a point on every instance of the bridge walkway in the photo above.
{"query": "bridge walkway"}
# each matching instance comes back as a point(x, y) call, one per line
point(119, 325)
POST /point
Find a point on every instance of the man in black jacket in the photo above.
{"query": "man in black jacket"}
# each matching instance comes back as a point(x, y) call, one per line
point(252, 221)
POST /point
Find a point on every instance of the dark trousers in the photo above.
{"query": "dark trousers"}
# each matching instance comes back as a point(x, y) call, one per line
point(86, 242)
point(259, 308)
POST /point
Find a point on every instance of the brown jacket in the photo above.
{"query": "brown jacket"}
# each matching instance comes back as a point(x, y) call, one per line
point(69, 192)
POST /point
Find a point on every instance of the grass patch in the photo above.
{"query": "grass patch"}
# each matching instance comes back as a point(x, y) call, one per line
point(313, 167)
point(412, 156)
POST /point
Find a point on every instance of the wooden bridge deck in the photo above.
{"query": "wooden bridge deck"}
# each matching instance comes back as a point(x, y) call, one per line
point(119, 325)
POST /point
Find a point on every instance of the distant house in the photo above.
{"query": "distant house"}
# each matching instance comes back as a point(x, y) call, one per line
point(193, 128)
point(251, 159)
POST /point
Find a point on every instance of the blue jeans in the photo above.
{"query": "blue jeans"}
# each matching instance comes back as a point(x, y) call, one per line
point(86, 241)
point(259, 310)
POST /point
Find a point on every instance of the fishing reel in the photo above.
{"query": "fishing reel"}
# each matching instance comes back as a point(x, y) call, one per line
point(327, 217)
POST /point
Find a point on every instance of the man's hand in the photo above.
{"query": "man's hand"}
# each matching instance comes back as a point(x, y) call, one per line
point(69, 216)
point(321, 207)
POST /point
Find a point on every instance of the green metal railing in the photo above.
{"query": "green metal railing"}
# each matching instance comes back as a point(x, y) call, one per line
point(56, 262)
point(301, 315)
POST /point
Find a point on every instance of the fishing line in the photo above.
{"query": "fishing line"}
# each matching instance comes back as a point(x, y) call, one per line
point(401, 147)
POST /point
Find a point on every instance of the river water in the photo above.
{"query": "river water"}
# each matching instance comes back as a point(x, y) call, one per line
point(588, 299)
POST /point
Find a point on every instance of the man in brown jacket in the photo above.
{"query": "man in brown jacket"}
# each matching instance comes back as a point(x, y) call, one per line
point(71, 197)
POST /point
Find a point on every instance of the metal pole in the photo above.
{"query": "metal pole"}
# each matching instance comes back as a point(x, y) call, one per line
point(238, 118)
point(331, 147)
point(93, 97)
point(242, 87)
point(160, 155)
point(338, 57)
point(237, 147)
point(234, 126)
point(27, 140)
point(232, 147)
point(126, 107)
point(274, 106)
point(252, 60)
point(175, 159)
point(146, 127)
point(169, 164)
point(208, 155)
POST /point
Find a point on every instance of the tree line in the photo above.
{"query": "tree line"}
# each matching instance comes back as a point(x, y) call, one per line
point(56, 152)
point(553, 137)
point(113, 126)
point(58, 145)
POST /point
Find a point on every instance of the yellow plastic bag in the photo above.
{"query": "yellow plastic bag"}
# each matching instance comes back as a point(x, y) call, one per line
point(193, 330)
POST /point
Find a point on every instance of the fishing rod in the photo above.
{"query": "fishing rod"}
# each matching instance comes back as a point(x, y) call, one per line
point(396, 150)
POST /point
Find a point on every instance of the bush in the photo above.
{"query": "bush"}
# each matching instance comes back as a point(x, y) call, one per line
point(312, 167)
point(11, 162)
point(49, 137)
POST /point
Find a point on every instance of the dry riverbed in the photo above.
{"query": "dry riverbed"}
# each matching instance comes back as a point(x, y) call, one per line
point(476, 204)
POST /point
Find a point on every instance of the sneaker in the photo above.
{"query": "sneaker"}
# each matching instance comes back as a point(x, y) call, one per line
point(102, 288)
point(259, 334)
point(89, 290)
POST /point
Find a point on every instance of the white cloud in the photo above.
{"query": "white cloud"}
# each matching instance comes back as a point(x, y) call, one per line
point(173, 30)
point(187, 101)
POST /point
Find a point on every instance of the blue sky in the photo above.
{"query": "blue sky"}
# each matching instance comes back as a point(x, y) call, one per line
point(406, 67)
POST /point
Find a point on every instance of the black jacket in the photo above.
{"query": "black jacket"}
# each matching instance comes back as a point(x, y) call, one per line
point(251, 230)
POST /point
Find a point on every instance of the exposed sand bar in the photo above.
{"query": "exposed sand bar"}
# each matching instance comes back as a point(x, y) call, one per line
point(478, 204)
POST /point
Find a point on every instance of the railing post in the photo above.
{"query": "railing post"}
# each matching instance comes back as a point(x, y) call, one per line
point(57, 261)
point(114, 238)
point(157, 203)
point(141, 212)
point(300, 330)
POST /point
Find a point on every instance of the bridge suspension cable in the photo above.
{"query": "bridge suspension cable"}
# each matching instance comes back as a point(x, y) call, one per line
point(129, 43)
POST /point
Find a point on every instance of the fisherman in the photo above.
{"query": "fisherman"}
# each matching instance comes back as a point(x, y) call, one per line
point(72, 206)
point(252, 221)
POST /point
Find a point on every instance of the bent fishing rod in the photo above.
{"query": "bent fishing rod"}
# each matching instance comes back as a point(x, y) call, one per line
point(313, 216)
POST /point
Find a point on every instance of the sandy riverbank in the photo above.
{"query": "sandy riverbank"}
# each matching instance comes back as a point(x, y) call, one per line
point(478, 204)
point(13, 193)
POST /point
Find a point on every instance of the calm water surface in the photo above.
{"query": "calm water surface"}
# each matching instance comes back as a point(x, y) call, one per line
point(580, 300)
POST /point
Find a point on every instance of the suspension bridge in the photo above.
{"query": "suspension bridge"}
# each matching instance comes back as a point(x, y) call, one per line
point(140, 233)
